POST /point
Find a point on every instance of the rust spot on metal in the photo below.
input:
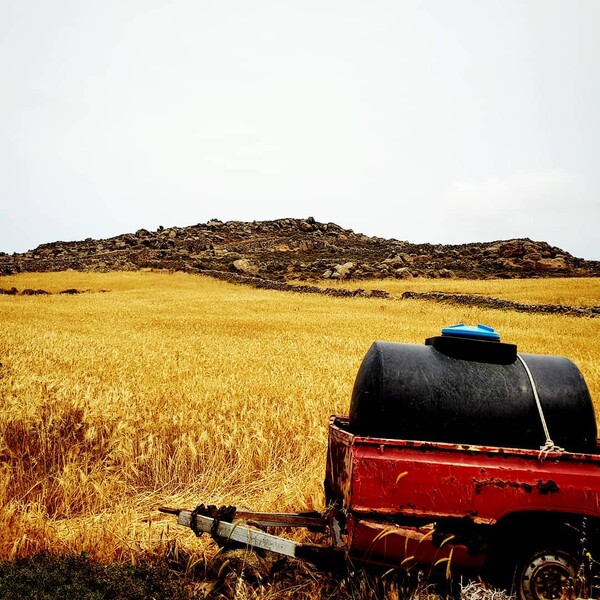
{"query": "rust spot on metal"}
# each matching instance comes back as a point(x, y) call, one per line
point(543, 487)
point(501, 483)
point(547, 487)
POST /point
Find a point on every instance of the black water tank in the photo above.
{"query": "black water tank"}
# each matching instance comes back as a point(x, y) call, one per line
point(467, 387)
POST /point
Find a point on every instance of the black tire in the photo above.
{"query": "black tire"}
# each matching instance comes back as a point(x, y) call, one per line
point(550, 574)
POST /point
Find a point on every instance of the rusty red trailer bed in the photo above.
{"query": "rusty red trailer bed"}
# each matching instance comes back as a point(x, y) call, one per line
point(393, 491)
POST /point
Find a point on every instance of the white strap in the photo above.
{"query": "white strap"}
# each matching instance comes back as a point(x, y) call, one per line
point(549, 446)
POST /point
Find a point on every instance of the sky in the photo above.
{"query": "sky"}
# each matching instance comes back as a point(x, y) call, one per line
point(442, 121)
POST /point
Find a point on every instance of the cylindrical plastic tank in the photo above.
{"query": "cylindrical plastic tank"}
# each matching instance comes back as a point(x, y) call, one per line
point(467, 387)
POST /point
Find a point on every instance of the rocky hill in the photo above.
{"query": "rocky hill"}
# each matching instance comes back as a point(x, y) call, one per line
point(291, 249)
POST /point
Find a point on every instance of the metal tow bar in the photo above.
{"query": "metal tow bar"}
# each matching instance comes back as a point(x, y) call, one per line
point(229, 524)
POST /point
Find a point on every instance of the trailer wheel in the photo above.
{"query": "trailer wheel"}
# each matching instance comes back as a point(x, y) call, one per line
point(549, 574)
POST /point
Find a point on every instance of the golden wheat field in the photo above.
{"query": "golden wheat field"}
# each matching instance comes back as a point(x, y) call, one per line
point(157, 389)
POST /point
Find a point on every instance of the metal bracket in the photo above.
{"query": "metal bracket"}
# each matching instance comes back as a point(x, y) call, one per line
point(328, 556)
point(237, 532)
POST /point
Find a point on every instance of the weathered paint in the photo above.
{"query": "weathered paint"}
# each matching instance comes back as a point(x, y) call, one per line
point(339, 464)
point(375, 542)
point(385, 483)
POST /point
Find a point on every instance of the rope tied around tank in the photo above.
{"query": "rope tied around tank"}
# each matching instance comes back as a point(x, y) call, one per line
point(549, 446)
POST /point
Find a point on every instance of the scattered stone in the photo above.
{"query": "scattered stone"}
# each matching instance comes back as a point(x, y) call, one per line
point(445, 273)
point(499, 303)
point(243, 265)
point(403, 273)
point(342, 271)
point(379, 294)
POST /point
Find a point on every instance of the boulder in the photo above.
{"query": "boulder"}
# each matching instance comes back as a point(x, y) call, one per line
point(446, 274)
point(552, 264)
point(509, 265)
point(403, 273)
point(343, 271)
point(243, 265)
point(511, 249)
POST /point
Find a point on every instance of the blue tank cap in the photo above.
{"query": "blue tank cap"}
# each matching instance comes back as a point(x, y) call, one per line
point(480, 332)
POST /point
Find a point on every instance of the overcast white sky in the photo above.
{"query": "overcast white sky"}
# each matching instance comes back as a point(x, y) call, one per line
point(428, 121)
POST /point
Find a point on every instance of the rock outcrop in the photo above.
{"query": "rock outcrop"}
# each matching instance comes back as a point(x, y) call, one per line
point(298, 249)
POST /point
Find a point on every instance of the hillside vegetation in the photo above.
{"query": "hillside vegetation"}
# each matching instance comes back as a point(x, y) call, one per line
point(158, 389)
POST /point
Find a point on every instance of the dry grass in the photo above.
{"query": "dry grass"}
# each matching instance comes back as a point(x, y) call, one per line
point(174, 389)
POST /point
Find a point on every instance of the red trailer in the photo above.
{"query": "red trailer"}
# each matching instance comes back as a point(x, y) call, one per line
point(511, 514)
point(523, 512)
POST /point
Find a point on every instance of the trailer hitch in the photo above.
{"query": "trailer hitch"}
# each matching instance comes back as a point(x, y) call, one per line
point(226, 523)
